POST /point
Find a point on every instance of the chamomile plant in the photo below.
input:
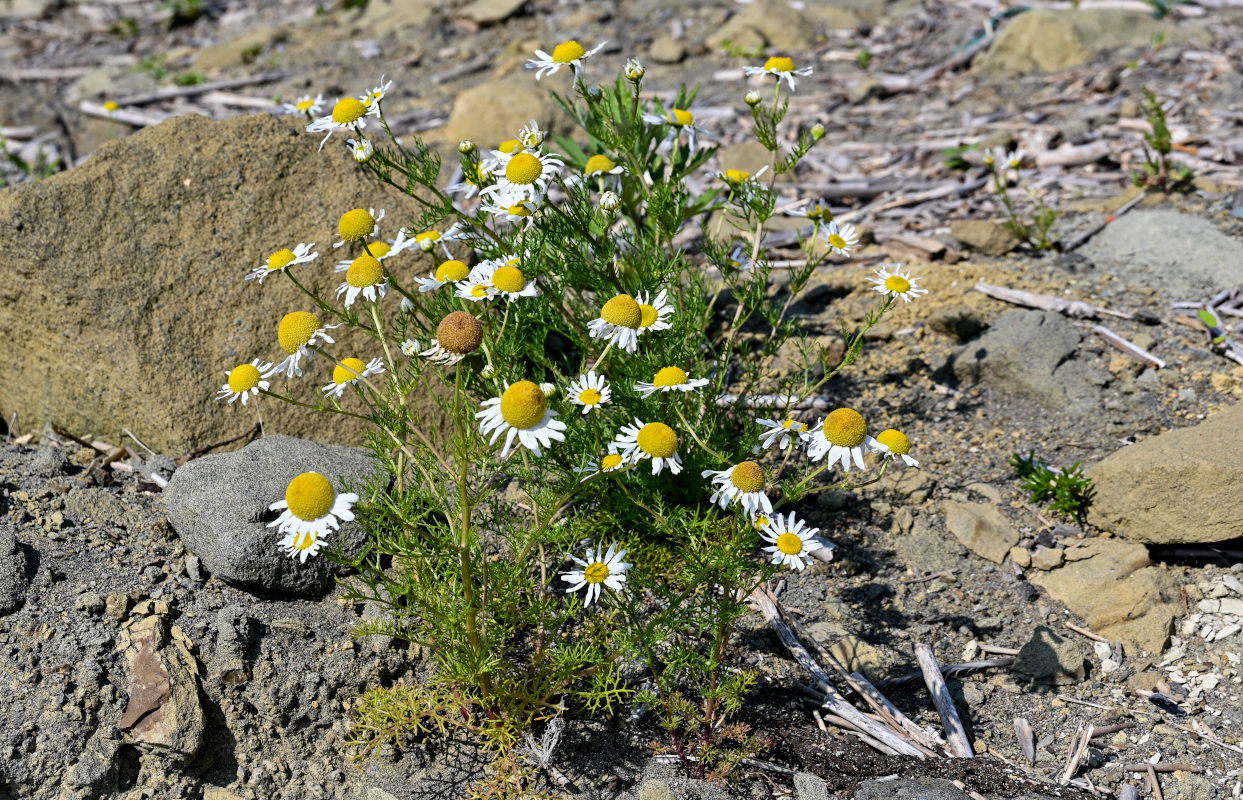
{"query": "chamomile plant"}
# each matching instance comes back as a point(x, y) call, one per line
point(582, 464)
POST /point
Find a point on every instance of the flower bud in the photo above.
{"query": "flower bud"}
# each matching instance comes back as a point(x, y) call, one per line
point(549, 389)
point(487, 372)
point(752, 97)
point(817, 132)
point(466, 147)
point(634, 70)
point(362, 149)
point(609, 202)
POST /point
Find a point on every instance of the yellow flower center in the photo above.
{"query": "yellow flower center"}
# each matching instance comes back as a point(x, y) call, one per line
point(622, 310)
point(599, 164)
point(280, 259)
point(596, 573)
point(519, 210)
point(348, 110)
point(459, 333)
point(896, 441)
point(647, 315)
point(296, 329)
point(304, 540)
point(523, 404)
point(761, 522)
point(365, 271)
point(243, 378)
point(657, 440)
point(452, 270)
point(837, 241)
point(790, 543)
point(479, 290)
point(794, 425)
point(779, 64)
point(511, 146)
point(590, 397)
point(670, 376)
point(680, 117)
point(305, 105)
point(819, 212)
point(610, 462)
point(348, 370)
point(378, 249)
point(110, 106)
point(845, 427)
point(523, 168)
point(428, 236)
point(736, 175)
point(747, 477)
point(356, 224)
point(566, 52)
point(896, 283)
point(509, 279)
point(310, 496)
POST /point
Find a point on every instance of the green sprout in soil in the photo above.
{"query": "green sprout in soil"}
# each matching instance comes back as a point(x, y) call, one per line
point(1035, 232)
point(1069, 490)
point(1158, 171)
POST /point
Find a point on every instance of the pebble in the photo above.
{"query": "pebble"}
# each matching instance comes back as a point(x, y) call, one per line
point(89, 602)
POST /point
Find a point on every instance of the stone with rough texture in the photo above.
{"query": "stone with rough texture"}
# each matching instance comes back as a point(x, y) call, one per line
point(495, 110)
point(163, 714)
point(491, 12)
point(910, 789)
point(1175, 487)
point(14, 582)
point(1032, 353)
point(219, 507)
point(138, 329)
point(1051, 659)
point(984, 235)
point(810, 787)
point(779, 25)
point(1113, 586)
point(981, 528)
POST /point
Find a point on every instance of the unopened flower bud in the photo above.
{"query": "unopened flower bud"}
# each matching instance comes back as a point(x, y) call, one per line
point(817, 132)
point(487, 372)
point(549, 389)
point(752, 97)
point(634, 70)
point(465, 147)
point(609, 202)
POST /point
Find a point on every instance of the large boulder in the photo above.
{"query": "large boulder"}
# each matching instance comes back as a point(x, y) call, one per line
point(1181, 486)
point(121, 280)
point(219, 506)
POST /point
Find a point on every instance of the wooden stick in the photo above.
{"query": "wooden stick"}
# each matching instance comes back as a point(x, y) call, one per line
point(1001, 651)
point(950, 671)
point(1078, 749)
point(929, 740)
point(1073, 156)
point(1134, 351)
point(169, 92)
point(1108, 729)
point(1027, 741)
point(1096, 637)
point(1153, 783)
point(139, 119)
point(955, 734)
point(833, 701)
point(1170, 767)
point(1044, 302)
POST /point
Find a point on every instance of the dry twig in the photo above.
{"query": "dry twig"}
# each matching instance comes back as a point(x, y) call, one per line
point(955, 734)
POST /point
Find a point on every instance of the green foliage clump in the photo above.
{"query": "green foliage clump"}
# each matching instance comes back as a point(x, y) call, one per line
point(1069, 491)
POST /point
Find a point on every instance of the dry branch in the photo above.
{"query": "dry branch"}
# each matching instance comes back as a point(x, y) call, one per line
point(955, 734)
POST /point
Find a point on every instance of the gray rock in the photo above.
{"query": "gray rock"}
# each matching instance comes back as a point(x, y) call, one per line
point(194, 568)
point(810, 787)
point(491, 12)
point(97, 767)
point(1175, 487)
point(90, 602)
point(659, 790)
point(49, 461)
point(164, 714)
point(1052, 659)
point(218, 504)
point(958, 321)
point(981, 528)
point(234, 634)
point(910, 789)
point(1033, 353)
point(14, 578)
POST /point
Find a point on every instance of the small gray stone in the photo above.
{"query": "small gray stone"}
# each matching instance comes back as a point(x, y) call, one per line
point(194, 568)
point(659, 790)
point(89, 602)
point(667, 50)
point(14, 581)
point(1052, 659)
point(49, 461)
point(234, 634)
point(910, 789)
point(989, 237)
point(958, 321)
point(810, 787)
point(97, 767)
point(219, 506)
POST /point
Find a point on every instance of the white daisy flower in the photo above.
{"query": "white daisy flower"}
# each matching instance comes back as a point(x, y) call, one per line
point(743, 482)
point(589, 391)
point(531, 136)
point(611, 462)
point(654, 313)
point(522, 177)
point(740, 178)
point(507, 280)
point(679, 121)
point(466, 187)
point(410, 347)
point(521, 412)
point(619, 322)
point(358, 225)
point(520, 214)
point(458, 335)
point(896, 283)
point(654, 440)
point(476, 288)
point(840, 240)
point(606, 172)
point(793, 542)
point(843, 435)
point(494, 164)
point(634, 70)
point(599, 570)
point(450, 271)
point(298, 332)
point(348, 113)
point(782, 433)
point(311, 510)
point(246, 380)
point(372, 98)
point(670, 379)
point(569, 53)
point(362, 149)
point(380, 249)
point(305, 105)
point(898, 444)
point(1014, 158)
point(281, 259)
point(781, 67)
point(366, 276)
point(347, 372)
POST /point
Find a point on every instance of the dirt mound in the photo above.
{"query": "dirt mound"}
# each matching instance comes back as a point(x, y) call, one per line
point(123, 286)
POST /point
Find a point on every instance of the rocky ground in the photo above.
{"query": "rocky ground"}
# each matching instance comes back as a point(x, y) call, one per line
point(134, 663)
